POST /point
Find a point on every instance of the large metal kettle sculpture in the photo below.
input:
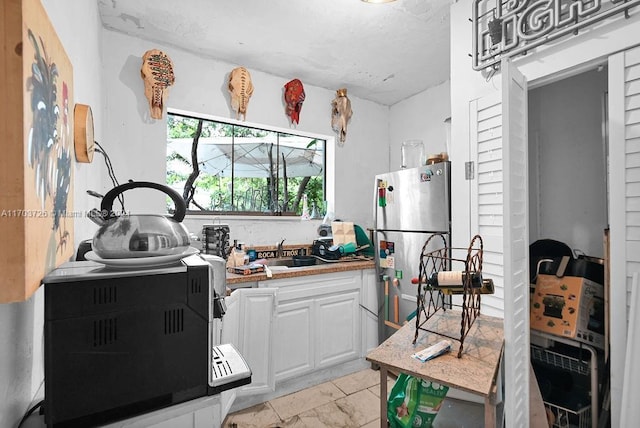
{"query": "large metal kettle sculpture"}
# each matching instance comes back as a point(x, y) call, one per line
point(140, 235)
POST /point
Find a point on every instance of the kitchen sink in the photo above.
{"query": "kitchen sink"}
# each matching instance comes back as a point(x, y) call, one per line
point(294, 262)
point(288, 263)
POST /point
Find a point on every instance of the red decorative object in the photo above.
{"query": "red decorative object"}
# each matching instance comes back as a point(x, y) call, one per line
point(294, 97)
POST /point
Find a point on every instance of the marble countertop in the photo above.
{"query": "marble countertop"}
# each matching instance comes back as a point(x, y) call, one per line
point(322, 267)
point(474, 372)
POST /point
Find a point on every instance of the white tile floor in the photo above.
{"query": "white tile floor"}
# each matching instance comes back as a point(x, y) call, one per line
point(348, 402)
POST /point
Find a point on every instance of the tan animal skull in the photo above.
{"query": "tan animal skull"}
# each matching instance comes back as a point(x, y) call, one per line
point(341, 114)
point(241, 89)
point(157, 73)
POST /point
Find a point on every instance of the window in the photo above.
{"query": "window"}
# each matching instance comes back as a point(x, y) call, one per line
point(243, 170)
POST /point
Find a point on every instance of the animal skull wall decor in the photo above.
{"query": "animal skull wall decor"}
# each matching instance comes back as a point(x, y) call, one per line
point(157, 73)
point(293, 98)
point(241, 89)
point(341, 114)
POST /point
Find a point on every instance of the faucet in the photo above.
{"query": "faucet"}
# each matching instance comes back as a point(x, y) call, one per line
point(279, 251)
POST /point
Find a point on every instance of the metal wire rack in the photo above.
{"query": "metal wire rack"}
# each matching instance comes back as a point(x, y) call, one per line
point(570, 414)
point(431, 300)
point(567, 418)
point(559, 360)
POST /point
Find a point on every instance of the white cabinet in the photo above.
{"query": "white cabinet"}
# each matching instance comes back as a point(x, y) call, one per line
point(369, 311)
point(318, 322)
point(248, 325)
point(199, 413)
point(337, 328)
point(294, 348)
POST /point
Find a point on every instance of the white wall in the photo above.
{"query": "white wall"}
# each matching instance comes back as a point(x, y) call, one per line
point(567, 168)
point(21, 334)
point(136, 143)
point(420, 117)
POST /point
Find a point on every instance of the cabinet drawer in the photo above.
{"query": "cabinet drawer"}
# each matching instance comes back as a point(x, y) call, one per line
point(308, 286)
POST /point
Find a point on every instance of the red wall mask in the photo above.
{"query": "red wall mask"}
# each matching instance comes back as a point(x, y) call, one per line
point(294, 97)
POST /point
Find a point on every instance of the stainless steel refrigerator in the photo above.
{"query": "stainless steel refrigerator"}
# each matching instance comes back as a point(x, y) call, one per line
point(410, 206)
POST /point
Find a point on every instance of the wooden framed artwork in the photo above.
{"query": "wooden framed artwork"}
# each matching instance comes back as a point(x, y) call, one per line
point(36, 170)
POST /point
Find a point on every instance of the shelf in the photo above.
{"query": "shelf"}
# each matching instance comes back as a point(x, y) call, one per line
point(576, 359)
point(565, 362)
point(566, 418)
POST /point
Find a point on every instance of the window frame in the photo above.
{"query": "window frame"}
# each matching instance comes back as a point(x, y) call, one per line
point(328, 160)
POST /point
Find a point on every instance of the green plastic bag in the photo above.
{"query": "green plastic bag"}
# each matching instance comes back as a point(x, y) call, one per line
point(414, 403)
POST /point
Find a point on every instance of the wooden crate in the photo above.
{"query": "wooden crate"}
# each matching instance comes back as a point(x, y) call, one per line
point(36, 164)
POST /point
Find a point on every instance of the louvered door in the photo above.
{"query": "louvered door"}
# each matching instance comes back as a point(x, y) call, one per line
point(516, 244)
point(624, 195)
point(499, 213)
point(486, 194)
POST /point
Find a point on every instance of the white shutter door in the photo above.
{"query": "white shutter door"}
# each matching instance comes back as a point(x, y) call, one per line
point(499, 213)
point(516, 244)
point(624, 197)
point(486, 193)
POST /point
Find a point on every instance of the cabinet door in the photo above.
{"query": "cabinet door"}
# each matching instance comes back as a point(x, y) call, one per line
point(369, 311)
point(337, 327)
point(293, 340)
point(248, 325)
point(199, 413)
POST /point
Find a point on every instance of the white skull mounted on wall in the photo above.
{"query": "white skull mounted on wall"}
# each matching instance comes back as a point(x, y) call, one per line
point(241, 89)
point(341, 114)
point(157, 73)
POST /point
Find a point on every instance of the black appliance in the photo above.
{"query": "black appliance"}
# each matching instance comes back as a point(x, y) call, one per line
point(124, 341)
point(324, 249)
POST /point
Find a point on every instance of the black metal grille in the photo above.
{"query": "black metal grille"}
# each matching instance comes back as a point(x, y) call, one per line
point(105, 295)
point(173, 321)
point(105, 331)
point(196, 285)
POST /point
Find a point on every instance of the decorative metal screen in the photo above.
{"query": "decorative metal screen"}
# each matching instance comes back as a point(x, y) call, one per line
point(506, 28)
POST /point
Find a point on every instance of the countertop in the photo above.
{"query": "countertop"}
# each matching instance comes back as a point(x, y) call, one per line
point(320, 268)
point(475, 372)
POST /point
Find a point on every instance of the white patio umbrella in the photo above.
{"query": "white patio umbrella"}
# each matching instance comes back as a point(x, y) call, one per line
point(250, 156)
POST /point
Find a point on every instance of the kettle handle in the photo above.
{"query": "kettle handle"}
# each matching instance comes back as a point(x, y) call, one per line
point(106, 206)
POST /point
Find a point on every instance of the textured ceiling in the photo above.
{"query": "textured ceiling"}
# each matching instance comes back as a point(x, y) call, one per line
point(380, 52)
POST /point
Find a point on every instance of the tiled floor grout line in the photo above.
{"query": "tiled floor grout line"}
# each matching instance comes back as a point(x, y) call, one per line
point(333, 407)
point(347, 386)
point(332, 401)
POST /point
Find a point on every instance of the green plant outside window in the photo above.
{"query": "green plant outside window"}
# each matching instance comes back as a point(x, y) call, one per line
point(226, 168)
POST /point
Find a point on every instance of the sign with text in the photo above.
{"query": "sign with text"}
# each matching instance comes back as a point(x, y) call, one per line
point(503, 29)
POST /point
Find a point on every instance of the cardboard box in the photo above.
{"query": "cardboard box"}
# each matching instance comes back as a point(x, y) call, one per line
point(569, 306)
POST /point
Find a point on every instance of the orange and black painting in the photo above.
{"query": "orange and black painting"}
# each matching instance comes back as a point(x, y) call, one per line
point(38, 208)
point(49, 143)
point(36, 167)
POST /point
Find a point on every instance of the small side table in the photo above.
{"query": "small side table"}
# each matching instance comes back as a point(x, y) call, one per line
point(475, 372)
